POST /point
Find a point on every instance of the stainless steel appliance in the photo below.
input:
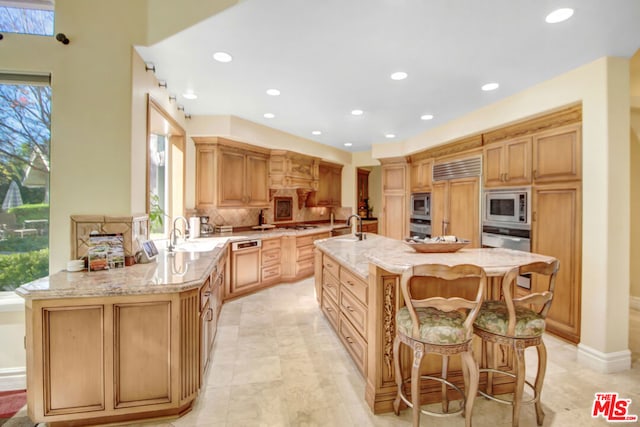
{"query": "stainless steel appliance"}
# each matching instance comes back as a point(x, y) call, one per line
point(507, 208)
point(511, 238)
point(421, 206)
point(420, 227)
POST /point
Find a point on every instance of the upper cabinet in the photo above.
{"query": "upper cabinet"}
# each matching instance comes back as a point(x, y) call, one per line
point(230, 174)
point(557, 154)
point(329, 186)
point(421, 174)
point(288, 169)
point(508, 163)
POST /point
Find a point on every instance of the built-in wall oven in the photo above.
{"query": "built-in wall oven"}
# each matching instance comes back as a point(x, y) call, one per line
point(506, 222)
point(420, 220)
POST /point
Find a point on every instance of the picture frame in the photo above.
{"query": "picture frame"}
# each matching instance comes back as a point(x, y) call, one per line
point(282, 208)
point(106, 251)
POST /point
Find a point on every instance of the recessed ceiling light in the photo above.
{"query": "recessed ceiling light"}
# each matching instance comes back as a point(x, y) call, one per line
point(490, 86)
point(559, 15)
point(400, 75)
point(189, 95)
point(426, 117)
point(316, 132)
point(273, 92)
point(269, 115)
point(357, 112)
point(348, 144)
point(222, 57)
point(389, 135)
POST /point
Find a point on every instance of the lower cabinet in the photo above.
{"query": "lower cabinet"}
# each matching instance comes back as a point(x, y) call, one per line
point(344, 303)
point(127, 357)
point(271, 261)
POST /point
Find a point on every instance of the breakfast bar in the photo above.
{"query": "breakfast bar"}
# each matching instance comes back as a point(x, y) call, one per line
point(357, 287)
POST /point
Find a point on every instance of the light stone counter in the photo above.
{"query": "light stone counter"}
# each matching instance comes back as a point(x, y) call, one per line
point(395, 257)
point(182, 270)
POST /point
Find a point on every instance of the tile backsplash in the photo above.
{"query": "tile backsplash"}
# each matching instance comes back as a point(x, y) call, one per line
point(247, 217)
point(133, 228)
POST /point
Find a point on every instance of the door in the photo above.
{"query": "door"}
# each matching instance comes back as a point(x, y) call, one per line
point(395, 212)
point(556, 232)
point(464, 209)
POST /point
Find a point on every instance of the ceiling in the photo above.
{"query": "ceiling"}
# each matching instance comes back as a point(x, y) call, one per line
point(330, 57)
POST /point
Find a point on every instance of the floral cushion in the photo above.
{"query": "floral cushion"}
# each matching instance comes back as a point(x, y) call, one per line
point(494, 318)
point(436, 327)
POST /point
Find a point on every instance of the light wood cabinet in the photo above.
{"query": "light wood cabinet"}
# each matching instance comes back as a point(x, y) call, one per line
point(508, 163)
point(271, 261)
point(556, 231)
point(246, 267)
point(421, 175)
point(557, 154)
point(230, 174)
point(105, 357)
point(455, 209)
point(329, 186)
point(370, 227)
point(304, 254)
point(288, 169)
point(394, 218)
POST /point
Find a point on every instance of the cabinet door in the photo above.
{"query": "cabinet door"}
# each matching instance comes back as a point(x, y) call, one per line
point(324, 183)
point(493, 170)
point(246, 270)
point(394, 218)
point(205, 176)
point(257, 181)
point(463, 214)
point(439, 201)
point(335, 187)
point(517, 162)
point(557, 155)
point(421, 174)
point(394, 177)
point(556, 232)
point(231, 178)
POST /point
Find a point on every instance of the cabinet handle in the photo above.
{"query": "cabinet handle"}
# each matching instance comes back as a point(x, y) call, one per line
point(506, 177)
point(206, 294)
point(349, 340)
point(329, 265)
point(445, 225)
point(534, 216)
point(328, 308)
point(349, 308)
point(210, 315)
point(501, 177)
point(535, 173)
point(350, 283)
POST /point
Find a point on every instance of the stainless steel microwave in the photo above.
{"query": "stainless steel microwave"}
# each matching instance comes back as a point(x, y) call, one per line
point(421, 205)
point(507, 207)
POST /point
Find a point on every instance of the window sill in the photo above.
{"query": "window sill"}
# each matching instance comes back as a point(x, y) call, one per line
point(9, 302)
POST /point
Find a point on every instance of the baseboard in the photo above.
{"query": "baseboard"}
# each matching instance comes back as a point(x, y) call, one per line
point(634, 302)
point(13, 379)
point(605, 363)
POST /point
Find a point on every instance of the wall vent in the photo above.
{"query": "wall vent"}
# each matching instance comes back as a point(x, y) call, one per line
point(471, 166)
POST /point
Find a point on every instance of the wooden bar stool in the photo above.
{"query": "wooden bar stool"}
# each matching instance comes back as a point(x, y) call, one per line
point(443, 326)
point(518, 323)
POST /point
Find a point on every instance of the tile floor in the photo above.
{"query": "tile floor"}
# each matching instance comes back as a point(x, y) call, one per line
point(277, 362)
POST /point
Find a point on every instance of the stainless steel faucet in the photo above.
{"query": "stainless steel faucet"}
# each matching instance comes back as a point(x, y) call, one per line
point(359, 234)
point(173, 234)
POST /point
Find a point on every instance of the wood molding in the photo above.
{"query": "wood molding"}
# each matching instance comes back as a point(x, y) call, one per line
point(453, 147)
point(230, 144)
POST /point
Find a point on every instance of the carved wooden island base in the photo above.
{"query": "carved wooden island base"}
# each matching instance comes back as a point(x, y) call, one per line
point(357, 287)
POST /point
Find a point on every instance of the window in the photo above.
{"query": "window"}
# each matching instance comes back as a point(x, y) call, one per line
point(25, 114)
point(166, 166)
point(27, 17)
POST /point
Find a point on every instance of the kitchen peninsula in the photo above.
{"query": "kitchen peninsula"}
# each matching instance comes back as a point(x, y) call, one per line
point(357, 286)
point(133, 343)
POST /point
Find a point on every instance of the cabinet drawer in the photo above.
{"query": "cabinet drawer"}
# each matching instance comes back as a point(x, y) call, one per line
point(330, 309)
point(356, 346)
point(354, 311)
point(305, 240)
point(304, 252)
point(304, 266)
point(331, 266)
point(355, 285)
point(270, 244)
point(270, 257)
point(271, 272)
point(330, 285)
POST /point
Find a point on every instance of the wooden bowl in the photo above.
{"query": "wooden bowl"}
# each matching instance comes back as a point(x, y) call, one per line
point(435, 247)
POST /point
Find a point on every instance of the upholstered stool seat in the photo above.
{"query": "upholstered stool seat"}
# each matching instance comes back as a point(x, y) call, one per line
point(518, 323)
point(442, 326)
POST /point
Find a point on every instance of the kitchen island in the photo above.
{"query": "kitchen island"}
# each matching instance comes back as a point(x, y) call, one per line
point(357, 286)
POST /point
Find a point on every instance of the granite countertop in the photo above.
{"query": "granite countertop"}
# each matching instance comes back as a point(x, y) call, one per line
point(182, 270)
point(396, 257)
